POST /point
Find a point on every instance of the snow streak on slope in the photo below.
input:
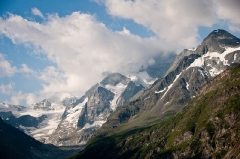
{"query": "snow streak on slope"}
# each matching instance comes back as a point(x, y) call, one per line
point(142, 78)
point(211, 63)
point(200, 62)
point(45, 128)
point(187, 86)
point(170, 86)
point(96, 124)
point(73, 114)
point(160, 90)
point(117, 90)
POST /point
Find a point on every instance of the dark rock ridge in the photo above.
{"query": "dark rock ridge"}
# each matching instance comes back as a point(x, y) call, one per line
point(25, 120)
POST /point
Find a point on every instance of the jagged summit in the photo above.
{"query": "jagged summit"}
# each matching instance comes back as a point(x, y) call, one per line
point(221, 34)
point(67, 101)
point(217, 41)
point(44, 104)
point(114, 79)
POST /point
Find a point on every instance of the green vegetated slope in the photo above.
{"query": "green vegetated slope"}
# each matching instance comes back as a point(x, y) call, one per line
point(208, 127)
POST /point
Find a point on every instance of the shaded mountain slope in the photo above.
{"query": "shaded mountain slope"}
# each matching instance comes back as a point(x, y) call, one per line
point(16, 144)
point(208, 127)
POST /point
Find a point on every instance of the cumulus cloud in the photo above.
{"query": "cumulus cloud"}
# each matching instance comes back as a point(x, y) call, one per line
point(29, 98)
point(7, 89)
point(82, 48)
point(37, 12)
point(173, 21)
point(176, 21)
point(229, 11)
point(6, 68)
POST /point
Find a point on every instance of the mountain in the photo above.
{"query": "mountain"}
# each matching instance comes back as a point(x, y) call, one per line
point(87, 115)
point(16, 144)
point(190, 71)
point(72, 121)
point(39, 120)
point(206, 127)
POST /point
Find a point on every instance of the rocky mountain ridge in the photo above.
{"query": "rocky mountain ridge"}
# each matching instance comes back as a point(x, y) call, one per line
point(71, 121)
point(83, 119)
point(207, 127)
point(190, 71)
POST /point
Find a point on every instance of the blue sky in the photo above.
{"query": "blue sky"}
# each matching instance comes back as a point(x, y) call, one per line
point(58, 47)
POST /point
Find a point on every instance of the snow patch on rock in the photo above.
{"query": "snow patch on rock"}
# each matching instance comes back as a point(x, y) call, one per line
point(117, 90)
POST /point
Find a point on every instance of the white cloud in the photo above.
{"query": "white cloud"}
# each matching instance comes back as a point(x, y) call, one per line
point(173, 21)
point(26, 70)
point(7, 89)
point(37, 12)
point(29, 98)
point(81, 47)
point(229, 11)
point(6, 68)
point(176, 21)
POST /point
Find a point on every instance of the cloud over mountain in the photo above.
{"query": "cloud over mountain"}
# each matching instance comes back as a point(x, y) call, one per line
point(173, 20)
point(82, 49)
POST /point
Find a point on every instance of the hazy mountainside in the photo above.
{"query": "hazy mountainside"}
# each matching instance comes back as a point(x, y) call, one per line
point(158, 66)
point(16, 144)
point(190, 71)
point(39, 120)
point(208, 127)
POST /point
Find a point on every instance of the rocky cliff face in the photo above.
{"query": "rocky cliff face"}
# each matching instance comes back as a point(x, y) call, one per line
point(88, 114)
point(207, 127)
